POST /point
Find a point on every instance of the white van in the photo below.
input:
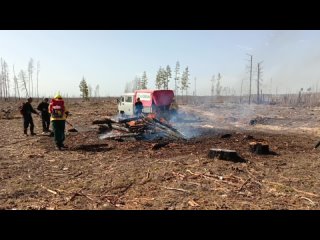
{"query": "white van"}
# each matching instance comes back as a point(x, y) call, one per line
point(125, 104)
point(152, 99)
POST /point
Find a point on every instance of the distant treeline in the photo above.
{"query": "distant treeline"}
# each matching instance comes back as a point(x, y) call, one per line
point(25, 84)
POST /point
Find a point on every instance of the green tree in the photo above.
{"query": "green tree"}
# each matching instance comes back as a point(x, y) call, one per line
point(168, 76)
point(185, 80)
point(176, 78)
point(84, 89)
point(159, 79)
point(144, 81)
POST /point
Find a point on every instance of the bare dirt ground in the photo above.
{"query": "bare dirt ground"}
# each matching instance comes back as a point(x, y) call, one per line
point(108, 174)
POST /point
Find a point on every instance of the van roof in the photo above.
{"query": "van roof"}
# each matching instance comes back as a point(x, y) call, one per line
point(153, 90)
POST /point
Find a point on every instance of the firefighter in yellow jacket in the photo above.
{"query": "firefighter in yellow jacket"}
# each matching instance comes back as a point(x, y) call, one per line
point(59, 114)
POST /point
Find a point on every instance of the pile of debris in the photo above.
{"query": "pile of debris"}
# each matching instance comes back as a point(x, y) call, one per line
point(140, 128)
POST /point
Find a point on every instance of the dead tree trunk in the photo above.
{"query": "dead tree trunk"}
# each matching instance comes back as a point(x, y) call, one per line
point(38, 70)
point(24, 83)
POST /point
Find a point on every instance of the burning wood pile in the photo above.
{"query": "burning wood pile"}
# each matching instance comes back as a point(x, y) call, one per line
point(141, 128)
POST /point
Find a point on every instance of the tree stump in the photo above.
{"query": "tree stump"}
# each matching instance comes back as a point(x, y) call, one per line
point(225, 154)
point(226, 135)
point(259, 147)
point(248, 137)
point(159, 145)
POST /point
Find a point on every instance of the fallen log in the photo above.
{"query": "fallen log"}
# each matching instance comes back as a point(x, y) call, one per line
point(225, 154)
point(317, 145)
point(120, 128)
point(115, 136)
point(129, 119)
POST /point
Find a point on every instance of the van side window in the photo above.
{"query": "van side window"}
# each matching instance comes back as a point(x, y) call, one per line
point(122, 99)
point(129, 99)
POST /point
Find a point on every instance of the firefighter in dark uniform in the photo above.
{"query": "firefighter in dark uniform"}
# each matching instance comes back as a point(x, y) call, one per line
point(138, 107)
point(26, 112)
point(43, 107)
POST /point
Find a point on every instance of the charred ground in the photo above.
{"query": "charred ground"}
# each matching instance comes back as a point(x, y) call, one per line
point(108, 174)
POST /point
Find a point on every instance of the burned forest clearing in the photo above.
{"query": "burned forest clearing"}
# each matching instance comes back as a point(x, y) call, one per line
point(105, 169)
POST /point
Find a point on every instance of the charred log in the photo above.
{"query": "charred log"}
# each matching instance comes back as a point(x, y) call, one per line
point(114, 126)
point(117, 136)
point(129, 119)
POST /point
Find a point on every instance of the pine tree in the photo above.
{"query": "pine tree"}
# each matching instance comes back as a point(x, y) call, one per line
point(159, 79)
point(168, 76)
point(185, 81)
point(84, 89)
point(176, 77)
point(144, 81)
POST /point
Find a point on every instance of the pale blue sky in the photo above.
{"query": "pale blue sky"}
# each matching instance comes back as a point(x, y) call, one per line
point(112, 58)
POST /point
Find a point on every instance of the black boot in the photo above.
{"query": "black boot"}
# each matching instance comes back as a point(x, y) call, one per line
point(63, 146)
point(25, 131)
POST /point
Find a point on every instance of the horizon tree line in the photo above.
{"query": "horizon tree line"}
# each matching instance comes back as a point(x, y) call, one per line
point(21, 85)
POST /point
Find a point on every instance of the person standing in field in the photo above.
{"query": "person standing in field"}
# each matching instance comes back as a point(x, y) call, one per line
point(43, 107)
point(59, 114)
point(26, 111)
point(138, 107)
